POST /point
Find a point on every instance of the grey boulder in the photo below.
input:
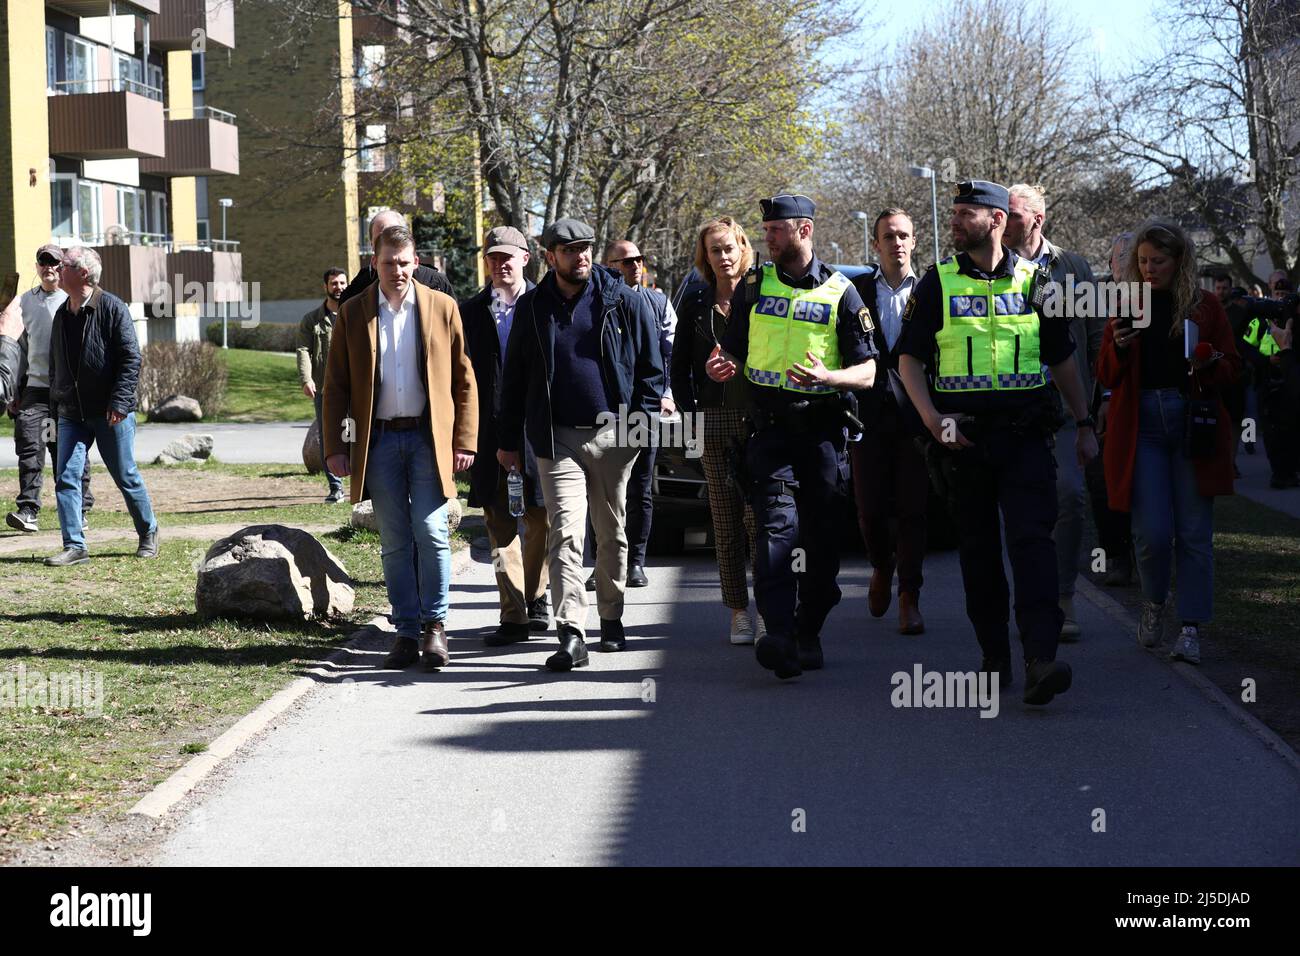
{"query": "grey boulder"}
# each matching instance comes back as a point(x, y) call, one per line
point(176, 408)
point(272, 572)
point(187, 448)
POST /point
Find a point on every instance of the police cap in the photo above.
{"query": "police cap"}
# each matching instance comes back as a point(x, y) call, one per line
point(977, 192)
point(787, 206)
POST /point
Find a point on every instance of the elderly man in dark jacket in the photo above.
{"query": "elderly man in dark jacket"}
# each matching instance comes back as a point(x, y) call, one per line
point(582, 382)
point(521, 571)
point(94, 370)
point(425, 275)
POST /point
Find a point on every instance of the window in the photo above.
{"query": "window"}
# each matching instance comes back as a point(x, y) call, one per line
point(372, 158)
point(370, 65)
point(62, 212)
point(80, 67)
point(90, 204)
point(51, 58)
point(131, 210)
point(156, 77)
point(160, 214)
point(196, 70)
point(205, 230)
point(130, 75)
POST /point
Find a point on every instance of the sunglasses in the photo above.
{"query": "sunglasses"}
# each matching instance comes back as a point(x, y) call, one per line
point(633, 260)
point(49, 262)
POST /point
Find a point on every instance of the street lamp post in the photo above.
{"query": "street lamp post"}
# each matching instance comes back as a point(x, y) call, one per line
point(925, 172)
point(225, 317)
point(839, 252)
point(866, 236)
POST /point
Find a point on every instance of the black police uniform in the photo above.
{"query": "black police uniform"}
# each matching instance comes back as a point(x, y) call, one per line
point(796, 465)
point(1011, 467)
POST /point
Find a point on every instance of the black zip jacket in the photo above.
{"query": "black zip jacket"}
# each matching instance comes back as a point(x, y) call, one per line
point(632, 368)
point(109, 370)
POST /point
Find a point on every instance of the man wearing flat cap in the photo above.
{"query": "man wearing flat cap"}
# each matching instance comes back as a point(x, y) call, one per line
point(583, 355)
point(801, 336)
point(974, 327)
point(520, 564)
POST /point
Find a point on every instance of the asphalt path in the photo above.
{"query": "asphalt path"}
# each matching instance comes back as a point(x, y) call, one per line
point(276, 442)
point(682, 750)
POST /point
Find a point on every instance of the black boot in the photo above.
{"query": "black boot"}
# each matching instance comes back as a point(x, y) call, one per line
point(572, 652)
point(611, 636)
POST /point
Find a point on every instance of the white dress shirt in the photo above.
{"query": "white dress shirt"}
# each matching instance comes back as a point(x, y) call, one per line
point(890, 304)
point(401, 390)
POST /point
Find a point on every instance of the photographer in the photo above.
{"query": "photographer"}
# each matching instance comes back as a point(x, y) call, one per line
point(11, 329)
point(1168, 443)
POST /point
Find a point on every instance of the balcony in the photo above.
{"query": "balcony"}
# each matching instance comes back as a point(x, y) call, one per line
point(102, 8)
point(106, 119)
point(200, 142)
point(134, 263)
point(173, 28)
point(217, 266)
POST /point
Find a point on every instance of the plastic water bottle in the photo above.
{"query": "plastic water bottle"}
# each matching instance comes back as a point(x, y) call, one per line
point(515, 492)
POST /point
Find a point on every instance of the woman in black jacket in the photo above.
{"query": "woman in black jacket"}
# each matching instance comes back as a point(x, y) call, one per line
point(722, 256)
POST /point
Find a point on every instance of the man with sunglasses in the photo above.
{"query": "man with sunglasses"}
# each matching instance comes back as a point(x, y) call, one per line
point(624, 256)
point(35, 425)
point(583, 351)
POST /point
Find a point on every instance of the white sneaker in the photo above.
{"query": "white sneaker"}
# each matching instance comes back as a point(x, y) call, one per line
point(742, 628)
point(1151, 624)
point(1188, 646)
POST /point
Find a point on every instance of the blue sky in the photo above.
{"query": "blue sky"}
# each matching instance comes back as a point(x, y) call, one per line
point(1121, 30)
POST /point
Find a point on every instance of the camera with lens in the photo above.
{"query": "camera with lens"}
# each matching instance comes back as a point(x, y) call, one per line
point(1246, 307)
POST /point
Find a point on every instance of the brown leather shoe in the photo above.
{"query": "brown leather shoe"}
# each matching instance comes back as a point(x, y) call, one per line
point(878, 593)
point(909, 615)
point(433, 647)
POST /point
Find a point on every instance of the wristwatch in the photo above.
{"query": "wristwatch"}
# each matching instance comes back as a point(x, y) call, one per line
point(1088, 422)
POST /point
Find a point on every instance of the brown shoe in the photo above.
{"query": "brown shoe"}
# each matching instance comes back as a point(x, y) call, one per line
point(433, 647)
point(404, 653)
point(909, 615)
point(878, 594)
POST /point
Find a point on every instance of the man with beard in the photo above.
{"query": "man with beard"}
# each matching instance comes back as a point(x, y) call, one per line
point(800, 331)
point(974, 324)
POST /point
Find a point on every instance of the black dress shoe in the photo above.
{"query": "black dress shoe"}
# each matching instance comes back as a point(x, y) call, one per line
point(1003, 668)
point(1045, 679)
point(779, 654)
point(611, 636)
point(636, 577)
point(539, 615)
point(508, 632)
point(810, 652)
point(68, 556)
point(591, 582)
point(572, 652)
point(404, 653)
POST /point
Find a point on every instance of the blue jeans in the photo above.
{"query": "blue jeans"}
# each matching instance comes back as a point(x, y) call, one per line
point(335, 482)
point(402, 478)
point(1071, 501)
point(117, 448)
point(1173, 523)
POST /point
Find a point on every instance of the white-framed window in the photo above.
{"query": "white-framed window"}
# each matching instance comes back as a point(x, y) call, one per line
point(90, 207)
point(63, 208)
point(370, 66)
point(81, 66)
point(51, 58)
point(131, 209)
point(372, 157)
point(159, 221)
point(130, 73)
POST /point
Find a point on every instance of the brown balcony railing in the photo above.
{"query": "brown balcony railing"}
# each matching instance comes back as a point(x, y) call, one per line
point(106, 119)
point(173, 28)
point(200, 141)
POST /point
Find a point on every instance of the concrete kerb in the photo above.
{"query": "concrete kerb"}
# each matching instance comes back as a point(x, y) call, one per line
point(162, 798)
point(1193, 676)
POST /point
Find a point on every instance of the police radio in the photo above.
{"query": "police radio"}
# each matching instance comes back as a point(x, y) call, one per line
point(1038, 287)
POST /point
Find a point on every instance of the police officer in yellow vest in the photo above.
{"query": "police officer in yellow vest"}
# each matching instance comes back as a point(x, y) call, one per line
point(800, 335)
point(972, 324)
point(1278, 421)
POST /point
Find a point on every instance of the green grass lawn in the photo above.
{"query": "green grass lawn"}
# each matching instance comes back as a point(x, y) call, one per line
point(170, 681)
point(263, 387)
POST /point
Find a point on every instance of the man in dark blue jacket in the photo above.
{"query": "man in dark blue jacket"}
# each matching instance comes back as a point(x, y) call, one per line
point(94, 370)
point(521, 571)
point(583, 377)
